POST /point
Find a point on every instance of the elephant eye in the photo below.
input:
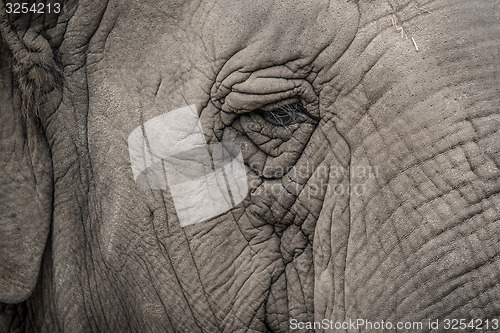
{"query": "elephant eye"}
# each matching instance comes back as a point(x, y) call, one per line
point(286, 114)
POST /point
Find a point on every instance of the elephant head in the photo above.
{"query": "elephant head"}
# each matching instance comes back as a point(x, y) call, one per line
point(250, 167)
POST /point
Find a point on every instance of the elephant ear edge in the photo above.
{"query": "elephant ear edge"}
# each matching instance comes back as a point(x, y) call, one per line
point(26, 186)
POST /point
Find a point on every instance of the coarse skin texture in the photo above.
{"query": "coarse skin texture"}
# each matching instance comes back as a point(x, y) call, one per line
point(389, 199)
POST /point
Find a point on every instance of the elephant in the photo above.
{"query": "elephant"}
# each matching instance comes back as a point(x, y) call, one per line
point(356, 189)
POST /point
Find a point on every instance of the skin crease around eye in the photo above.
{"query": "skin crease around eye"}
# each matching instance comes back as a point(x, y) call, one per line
point(246, 96)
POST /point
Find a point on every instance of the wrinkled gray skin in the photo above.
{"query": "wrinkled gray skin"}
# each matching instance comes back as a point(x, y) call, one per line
point(91, 251)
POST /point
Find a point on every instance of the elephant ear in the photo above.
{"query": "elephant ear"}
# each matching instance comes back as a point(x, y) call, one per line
point(26, 178)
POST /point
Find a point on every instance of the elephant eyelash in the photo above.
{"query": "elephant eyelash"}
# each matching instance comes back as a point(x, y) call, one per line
point(287, 115)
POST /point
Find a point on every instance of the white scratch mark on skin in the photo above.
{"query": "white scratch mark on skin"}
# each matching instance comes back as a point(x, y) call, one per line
point(414, 43)
point(399, 27)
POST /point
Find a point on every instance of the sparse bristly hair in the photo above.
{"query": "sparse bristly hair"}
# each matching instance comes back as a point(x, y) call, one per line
point(32, 62)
